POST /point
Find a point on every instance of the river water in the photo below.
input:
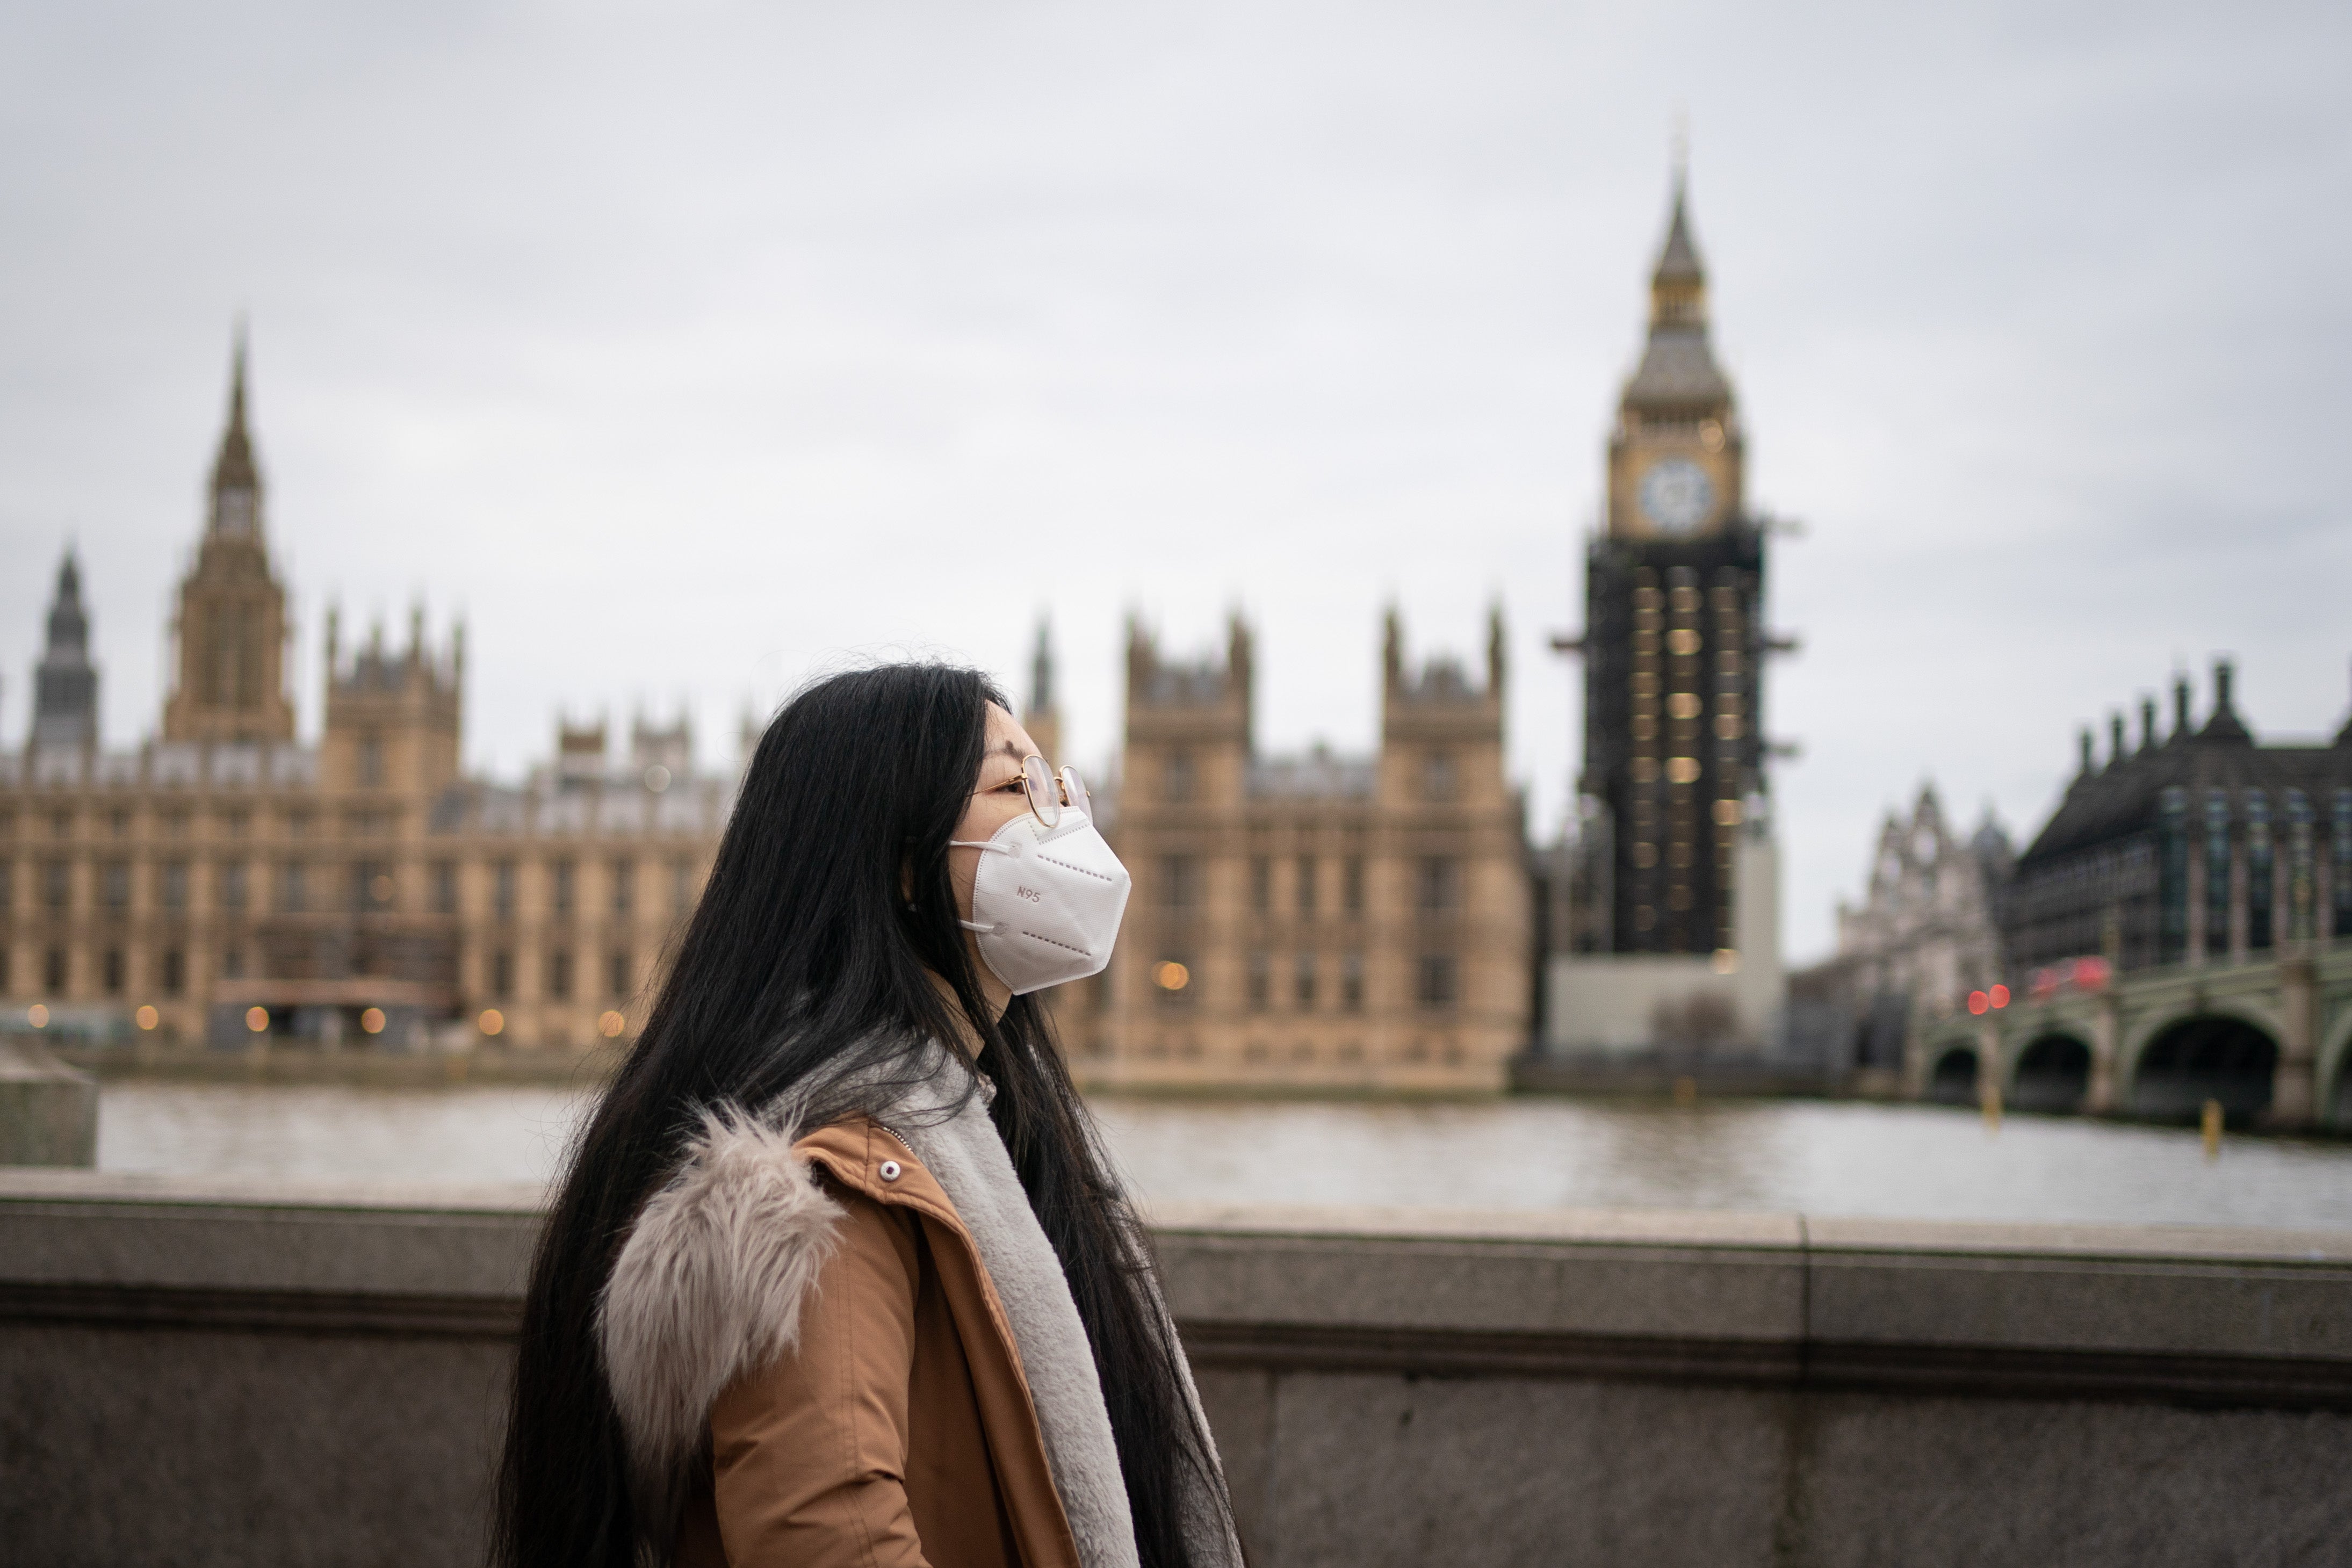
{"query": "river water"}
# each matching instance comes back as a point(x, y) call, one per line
point(1816, 1157)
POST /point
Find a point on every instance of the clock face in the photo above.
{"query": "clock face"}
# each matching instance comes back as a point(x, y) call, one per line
point(1676, 495)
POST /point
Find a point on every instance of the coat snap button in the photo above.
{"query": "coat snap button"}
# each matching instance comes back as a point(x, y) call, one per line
point(890, 1169)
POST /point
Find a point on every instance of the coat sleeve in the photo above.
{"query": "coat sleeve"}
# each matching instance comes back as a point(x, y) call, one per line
point(809, 1454)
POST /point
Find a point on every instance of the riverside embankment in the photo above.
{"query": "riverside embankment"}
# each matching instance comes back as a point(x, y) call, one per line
point(218, 1370)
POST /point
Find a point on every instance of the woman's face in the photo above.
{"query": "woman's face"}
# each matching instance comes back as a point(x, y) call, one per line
point(997, 797)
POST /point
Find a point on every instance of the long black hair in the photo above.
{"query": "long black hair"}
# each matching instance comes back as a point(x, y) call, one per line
point(808, 959)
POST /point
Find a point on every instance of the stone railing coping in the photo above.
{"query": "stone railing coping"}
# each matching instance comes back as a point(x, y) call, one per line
point(1592, 1226)
point(1773, 1296)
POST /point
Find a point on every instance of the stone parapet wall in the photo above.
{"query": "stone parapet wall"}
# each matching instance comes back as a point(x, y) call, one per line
point(237, 1372)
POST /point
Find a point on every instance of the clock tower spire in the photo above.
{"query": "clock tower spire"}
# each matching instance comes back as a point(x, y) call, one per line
point(1674, 456)
point(1673, 781)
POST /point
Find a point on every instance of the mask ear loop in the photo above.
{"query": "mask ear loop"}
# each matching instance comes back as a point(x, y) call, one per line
point(980, 844)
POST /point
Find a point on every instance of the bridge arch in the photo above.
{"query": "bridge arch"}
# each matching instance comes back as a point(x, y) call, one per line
point(1952, 1071)
point(2218, 1054)
point(2143, 1032)
point(2052, 1072)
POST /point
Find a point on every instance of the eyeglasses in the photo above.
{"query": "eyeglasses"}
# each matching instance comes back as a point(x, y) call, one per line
point(1048, 794)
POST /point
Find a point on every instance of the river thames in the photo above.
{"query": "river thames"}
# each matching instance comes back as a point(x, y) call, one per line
point(1812, 1157)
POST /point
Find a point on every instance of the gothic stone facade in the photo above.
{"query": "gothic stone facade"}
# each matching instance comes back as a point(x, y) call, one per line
point(227, 882)
point(1922, 939)
point(1313, 920)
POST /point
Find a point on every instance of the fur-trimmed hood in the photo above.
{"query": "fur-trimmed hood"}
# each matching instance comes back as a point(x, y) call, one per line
point(707, 1287)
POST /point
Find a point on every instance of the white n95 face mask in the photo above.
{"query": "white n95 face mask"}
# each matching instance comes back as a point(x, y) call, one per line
point(1045, 901)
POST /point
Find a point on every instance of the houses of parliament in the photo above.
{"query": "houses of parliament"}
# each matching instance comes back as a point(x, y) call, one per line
point(1313, 920)
point(1306, 919)
point(227, 882)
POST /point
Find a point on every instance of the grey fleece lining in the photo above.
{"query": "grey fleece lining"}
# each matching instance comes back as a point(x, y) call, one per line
point(967, 1157)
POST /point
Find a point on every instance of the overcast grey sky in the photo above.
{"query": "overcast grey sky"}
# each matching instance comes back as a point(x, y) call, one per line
point(685, 349)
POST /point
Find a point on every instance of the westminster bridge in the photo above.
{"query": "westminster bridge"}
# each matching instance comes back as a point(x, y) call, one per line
point(2267, 1038)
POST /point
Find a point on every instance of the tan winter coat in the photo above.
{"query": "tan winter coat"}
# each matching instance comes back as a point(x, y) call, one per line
point(880, 1419)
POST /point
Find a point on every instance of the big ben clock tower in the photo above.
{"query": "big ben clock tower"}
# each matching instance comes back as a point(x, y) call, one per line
point(1674, 582)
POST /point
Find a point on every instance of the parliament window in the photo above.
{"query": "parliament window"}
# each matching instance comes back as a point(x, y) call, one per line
point(618, 979)
point(625, 886)
point(175, 971)
point(501, 976)
point(372, 760)
point(1180, 881)
point(562, 877)
point(444, 887)
point(1352, 884)
point(1306, 881)
point(1302, 989)
point(1177, 782)
point(502, 889)
point(53, 969)
point(232, 884)
point(1434, 978)
point(1261, 884)
point(559, 974)
point(293, 889)
point(57, 884)
point(7, 886)
point(1260, 980)
point(172, 893)
point(1351, 982)
point(1441, 883)
point(111, 969)
point(1437, 779)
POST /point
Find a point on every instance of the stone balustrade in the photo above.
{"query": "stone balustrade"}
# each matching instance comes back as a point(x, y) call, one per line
point(201, 1371)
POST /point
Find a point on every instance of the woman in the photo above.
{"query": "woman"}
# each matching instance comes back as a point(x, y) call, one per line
point(838, 1272)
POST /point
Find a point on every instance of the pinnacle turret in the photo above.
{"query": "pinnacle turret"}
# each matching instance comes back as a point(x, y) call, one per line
point(64, 684)
point(1679, 261)
point(231, 631)
point(235, 499)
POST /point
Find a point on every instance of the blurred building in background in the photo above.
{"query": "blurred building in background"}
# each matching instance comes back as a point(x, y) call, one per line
point(1667, 935)
point(2199, 846)
point(229, 883)
point(2177, 937)
point(1923, 937)
point(1317, 919)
